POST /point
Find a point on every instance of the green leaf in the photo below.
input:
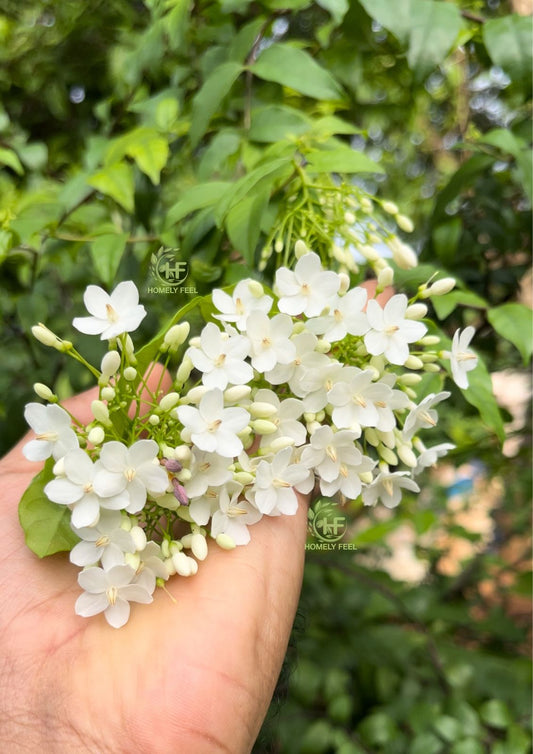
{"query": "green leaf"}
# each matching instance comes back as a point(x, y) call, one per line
point(46, 524)
point(269, 170)
point(468, 746)
point(243, 43)
point(117, 182)
point(106, 253)
point(336, 8)
point(340, 160)
point(445, 305)
point(275, 122)
point(429, 28)
point(295, 68)
point(460, 181)
point(10, 158)
point(514, 322)
point(332, 124)
point(197, 197)
point(447, 728)
point(480, 395)
point(150, 152)
point(243, 224)
point(446, 237)
point(496, 714)
point(211, 94)
point(509, 42)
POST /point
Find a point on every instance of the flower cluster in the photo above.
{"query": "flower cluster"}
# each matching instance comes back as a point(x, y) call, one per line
point(307, 387)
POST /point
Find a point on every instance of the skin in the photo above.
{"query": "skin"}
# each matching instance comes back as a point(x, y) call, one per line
point(192, 675)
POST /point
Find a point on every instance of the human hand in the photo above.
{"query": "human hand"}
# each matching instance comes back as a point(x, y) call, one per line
point(194, 676)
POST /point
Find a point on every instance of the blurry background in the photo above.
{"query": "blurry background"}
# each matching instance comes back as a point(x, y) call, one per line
point(113, 114)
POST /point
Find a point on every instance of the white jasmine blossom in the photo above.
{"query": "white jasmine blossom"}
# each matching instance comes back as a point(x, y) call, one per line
point(242, 302)
point(131, 471)
point(273, 491)
point(306, 290)
point(213, 428)
point(357, 399)
point(387, 487)
point(234, 515)
point(285, 417)
point(270, 340)
point(111, 315)
point(390, 332)
point(53, 429)
point(101, 541)
point(345, 316)
point(423, 416)
point(462, 359)
point(221, 358)
point(111, 591)
point(207, 470)
point(430, 456)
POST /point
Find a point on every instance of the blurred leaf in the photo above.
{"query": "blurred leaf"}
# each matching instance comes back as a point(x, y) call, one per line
point(447, 728)
point(295, 68)
point(468, 746)
point(106, 253)
point(10, 158)
point(340, 160)
point(377, 729)
point(243, 224)
point(46, 525)
point(446, 237)
point(509, 42)
point(117, 182)
point(515, 323)
point(445, 305)
point(426, 743)
point(196, 197)
point(208, 99)
point(150, 152)
point(496, 714)
point(337, 8)
point(480, 394)
point(275, 122)
point(270, 170)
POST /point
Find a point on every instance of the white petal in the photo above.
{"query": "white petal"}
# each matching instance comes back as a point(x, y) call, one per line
point(86, 512)
point(142, 451)
point(37, 450)
point(114, 456)
point(88, 604)
point(93, 580)
point(90, 325)
point(136, 593)
point(96, 300)
point(124, 296)
point(63, 491)
point(117, 615)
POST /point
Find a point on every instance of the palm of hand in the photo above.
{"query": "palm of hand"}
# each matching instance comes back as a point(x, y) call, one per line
point(194, 676)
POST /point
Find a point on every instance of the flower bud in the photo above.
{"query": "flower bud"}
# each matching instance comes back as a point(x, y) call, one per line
point(107, 393)
point(48, 338)
point(130, 374)
point(101, 412)
point(175, 546)
point(344, 283)
point(165, 548)
point(313, 426)
point(110, 363)
point(186, 540)
point(371, 436)
point(168, 401)
point(366, 477)
point(184, 475)
point(132, 559)
point(237, 393)
point(184, 370)
point(263, 427)
point(387, 455)
point(281, 442)
point(429, 340)
point(262, 410)
point(429, 358)
point(196, 394)
point(385, 277)
point(154, 420)
point(278, 246)
point(406, 455)
point(408, 379)
point(44, 392)
point(139, 537)
point(349, 218)
point(182, 453)
point(169, 565)
point(225, 542)
point(182, 564)
point(176, 336)
point(403, 255)
point(255, 288)
point(416, 311)
point(413, 362)
point(59, 467)
point(390, 207)
point(323, 346)
point(199, 546)
point(405, 223)
point(168, 501)
point(431, 368)
point(300, 249)
point(96, 436)
point(369, 253)
point(243, 477)
point(440, 287)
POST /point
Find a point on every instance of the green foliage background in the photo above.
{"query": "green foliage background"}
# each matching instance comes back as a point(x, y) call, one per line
point(127, 126)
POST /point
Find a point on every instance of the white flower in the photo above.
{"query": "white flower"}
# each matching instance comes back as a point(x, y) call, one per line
point(240, 304)
point(207, 470)
point(54, 433)
point(77, 490)
point(273, 492)
point(102, 541)
point(390, 333)
point(234, 516)
point(423, 416)
point(112, 314)
point(314, 385)
point(346, 315)
point(212, 427)
point(336, 461)
point(462, 360)
point(131, 470)
point(151, 559)
point(305, 360)
point(288, 411)
point(202, 508)
point(306, 290)
point(111, 592)
point(360, 402)
point(221, 358)
point(270, 340)
point(388, 486)
point(429, 456)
